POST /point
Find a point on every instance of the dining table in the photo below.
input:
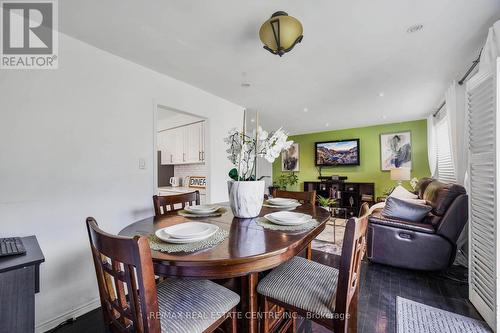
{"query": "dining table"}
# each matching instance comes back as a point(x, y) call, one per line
point(249, 250)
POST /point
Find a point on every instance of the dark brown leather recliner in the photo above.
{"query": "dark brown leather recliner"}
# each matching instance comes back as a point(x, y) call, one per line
point(429, 244)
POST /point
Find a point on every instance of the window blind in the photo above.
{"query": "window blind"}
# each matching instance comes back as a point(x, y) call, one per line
point(445, 165)
point(483, 208)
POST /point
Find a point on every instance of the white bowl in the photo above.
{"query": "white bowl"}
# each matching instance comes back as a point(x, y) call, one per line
point(186, 232)
point(282, 201)
point(288, 218)
point(202, 209)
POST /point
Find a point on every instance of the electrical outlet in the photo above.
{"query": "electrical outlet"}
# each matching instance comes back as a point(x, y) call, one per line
point(142, 163)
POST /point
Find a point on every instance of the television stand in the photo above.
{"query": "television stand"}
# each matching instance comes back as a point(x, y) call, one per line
point(350, 195)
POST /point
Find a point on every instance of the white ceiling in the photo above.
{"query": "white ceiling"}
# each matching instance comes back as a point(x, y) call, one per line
point(351, 52)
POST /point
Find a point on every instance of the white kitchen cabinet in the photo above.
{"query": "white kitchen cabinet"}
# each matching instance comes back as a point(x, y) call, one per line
point(165, 145)
point(193, 143)
point(182, 145)
point(178, 145)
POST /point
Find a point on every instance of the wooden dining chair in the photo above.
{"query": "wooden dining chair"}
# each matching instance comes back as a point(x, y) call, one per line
point(132, 302)
point(165, 204)
point(326, 295)
point(303, 197)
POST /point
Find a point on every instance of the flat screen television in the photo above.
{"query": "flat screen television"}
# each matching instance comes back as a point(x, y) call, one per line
point(337, 153)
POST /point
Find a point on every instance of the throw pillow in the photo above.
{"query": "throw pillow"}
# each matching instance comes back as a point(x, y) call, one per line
point(401, 193)
point(403, 210)
point(416, 201)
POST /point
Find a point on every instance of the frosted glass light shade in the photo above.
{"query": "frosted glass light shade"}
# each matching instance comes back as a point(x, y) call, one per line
point(400, 174)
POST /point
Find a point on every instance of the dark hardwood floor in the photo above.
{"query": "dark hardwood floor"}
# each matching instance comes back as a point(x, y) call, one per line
point(381, 284)
point(377, 301)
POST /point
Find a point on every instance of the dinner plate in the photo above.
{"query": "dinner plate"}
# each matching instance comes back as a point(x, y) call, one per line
point(286, 219)
point(187, 232)
point(282, 201)
point(202, 209)
point(289, 216)
point(291, 206)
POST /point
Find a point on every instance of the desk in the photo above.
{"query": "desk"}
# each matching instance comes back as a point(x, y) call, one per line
point(19, 281)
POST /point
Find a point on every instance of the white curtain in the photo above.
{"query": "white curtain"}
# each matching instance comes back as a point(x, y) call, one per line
point(455, 111)
point(431, 145)
point(491, 49)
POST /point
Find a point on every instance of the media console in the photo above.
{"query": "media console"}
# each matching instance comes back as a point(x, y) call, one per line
point(349, 195)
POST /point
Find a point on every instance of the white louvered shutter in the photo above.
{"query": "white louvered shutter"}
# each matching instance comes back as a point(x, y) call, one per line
point(482, 100)
point(445, 165)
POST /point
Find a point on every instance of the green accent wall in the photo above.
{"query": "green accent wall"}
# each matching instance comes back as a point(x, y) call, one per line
point(369, 168)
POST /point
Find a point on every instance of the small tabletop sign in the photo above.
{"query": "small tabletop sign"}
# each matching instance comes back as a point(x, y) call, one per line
point(198, 182)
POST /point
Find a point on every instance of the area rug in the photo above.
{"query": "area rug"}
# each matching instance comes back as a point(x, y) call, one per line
point(420, 318)
point(325, 241)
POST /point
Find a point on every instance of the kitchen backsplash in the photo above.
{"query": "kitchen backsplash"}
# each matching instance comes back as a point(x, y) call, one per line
point(186, 170)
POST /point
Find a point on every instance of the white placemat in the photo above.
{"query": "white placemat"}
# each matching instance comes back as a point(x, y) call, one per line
point(158, 245)
point(263, 222)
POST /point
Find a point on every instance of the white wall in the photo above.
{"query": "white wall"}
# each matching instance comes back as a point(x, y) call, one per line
point(70, 142)
point(265, 169)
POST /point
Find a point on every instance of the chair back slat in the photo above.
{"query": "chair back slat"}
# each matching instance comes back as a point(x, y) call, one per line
point(125, 277)
point(353, 250)
point(166, 204)
point(303, 197)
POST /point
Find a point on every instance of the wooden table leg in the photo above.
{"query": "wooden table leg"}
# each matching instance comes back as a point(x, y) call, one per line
point(249, 304)
point(309, 251)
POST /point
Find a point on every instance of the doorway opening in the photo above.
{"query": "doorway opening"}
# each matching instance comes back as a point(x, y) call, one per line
point(181, 157)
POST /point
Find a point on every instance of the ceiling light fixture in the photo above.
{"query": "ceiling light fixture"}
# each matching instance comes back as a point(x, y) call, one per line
point(415, 28)
point(280, 33)
point(327, 124)
point(381, 94)
point(306, 110)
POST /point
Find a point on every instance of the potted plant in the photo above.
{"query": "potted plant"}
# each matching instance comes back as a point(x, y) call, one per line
point(246, 192)
point(284, 180)
point(325, 203)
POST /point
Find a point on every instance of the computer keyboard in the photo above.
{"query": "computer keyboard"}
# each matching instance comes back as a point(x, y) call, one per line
point(11, 246)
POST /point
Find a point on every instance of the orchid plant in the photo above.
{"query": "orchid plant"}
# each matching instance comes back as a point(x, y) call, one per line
point(244, 149)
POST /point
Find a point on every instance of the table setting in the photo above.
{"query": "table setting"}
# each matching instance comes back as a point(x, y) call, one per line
point(190, 236)
point(282, 203)
point(287, 221)
point(197, 211)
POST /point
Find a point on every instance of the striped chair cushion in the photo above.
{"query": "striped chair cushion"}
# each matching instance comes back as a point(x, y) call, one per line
point(191, 306)
point(303, 284)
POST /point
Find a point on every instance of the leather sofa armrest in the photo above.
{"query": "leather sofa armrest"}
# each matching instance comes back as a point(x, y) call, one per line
point(377, 218)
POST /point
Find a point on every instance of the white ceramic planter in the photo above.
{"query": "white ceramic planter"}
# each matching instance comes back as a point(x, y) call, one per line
point(246, 197)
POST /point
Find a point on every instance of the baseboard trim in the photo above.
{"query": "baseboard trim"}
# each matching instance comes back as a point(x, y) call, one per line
point(75, 313)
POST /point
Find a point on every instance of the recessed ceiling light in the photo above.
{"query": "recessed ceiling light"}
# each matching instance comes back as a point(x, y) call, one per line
point(415, 28)
point(384, 117)
point(327, 124)
point(252, 120)
point(381, 94)
point(306, 110)
point(245, 84)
